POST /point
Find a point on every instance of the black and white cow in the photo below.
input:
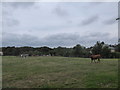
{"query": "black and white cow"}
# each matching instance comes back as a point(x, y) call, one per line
point(24, 55)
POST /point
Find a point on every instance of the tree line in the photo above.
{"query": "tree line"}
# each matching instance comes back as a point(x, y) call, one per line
point(76, 51)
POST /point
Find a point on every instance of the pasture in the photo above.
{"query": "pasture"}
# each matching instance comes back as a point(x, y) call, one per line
point(58, 72)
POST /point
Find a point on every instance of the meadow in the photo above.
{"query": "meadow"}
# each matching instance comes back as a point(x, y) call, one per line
point(58, 72)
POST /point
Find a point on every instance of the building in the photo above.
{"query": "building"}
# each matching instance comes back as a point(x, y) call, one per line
point(112, 49)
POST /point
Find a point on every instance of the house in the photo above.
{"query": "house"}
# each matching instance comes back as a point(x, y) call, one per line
point(112, 49)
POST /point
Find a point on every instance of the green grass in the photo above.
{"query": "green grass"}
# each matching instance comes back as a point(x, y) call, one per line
point(59, 72)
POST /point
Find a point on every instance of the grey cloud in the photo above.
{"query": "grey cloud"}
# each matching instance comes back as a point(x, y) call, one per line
point(95, 3)
point(98, 34)
point(63, 39)
point(69, 21)
point(60, 11)
point(92, 38)
point(10, 39)
point(110, 21)
point(89, 20)
point(8, 19)
point(18, 4)
point(10, 22)
point(5, 13)
point(9, 7)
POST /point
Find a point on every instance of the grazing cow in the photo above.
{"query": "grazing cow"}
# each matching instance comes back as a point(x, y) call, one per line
point(24, 55)
point(95, 57)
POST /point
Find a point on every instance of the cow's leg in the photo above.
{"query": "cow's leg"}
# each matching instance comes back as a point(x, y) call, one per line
point(91, 60)
point(98, 60)
point(94, 61)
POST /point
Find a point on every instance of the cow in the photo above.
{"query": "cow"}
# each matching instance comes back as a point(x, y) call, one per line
point(24, 55)
point(95, 57)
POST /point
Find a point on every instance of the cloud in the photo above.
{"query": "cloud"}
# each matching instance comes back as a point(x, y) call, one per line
point(60, 11)
point(95, 3)
point(110, 21)
point(16, 5)
point(9, 9)
point(11, 39)
point(10, 22)
point(67, 40)
point(98, 34)
point(62, 39)
point(89, 20)
point(51, 19)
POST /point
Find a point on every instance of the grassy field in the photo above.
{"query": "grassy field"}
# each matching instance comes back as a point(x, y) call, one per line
point(59, 72)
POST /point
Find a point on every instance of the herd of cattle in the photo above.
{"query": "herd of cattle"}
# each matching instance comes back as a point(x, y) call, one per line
point(93, 57)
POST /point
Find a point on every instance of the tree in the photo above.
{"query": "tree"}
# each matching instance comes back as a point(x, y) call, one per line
point(105, 52)
point(78, 50)
point(118, 47)
point(97, 48)
point(45, 50)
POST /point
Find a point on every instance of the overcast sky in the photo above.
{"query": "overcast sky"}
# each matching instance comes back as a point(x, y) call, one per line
point(59, 24)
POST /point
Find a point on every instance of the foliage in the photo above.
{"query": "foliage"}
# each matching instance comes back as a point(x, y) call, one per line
point(76, 51)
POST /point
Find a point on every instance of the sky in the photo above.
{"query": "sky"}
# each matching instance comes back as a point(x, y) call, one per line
point(56, 24)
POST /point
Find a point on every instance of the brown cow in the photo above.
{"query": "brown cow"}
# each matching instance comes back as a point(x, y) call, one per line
point(94, 57)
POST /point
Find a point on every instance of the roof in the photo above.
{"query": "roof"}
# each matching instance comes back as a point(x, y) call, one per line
point(112, 48)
